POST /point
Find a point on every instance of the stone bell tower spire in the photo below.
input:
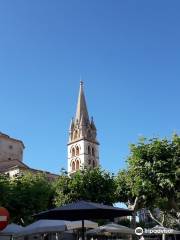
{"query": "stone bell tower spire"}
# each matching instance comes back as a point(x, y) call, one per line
point(82, 146)
point(81, 106)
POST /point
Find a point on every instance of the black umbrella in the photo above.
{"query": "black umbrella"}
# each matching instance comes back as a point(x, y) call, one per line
point(82, 210)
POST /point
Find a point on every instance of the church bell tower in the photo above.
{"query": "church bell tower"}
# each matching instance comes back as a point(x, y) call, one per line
point(83, 147)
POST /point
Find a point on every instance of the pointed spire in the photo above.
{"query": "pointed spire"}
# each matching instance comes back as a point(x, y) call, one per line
point(81, 111)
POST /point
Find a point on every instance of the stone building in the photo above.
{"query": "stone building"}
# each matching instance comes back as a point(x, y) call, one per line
point(83, 147)
point(11, 158)
point(10, 148)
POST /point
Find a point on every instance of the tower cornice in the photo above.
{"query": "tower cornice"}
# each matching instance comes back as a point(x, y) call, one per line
point(85, 139)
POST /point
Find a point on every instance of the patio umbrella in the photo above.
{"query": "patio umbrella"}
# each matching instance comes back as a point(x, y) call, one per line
point(78, 224)
point(111, 228)
point(47, 226)
point(11, 229)
point(82, 210)
point(43, 226)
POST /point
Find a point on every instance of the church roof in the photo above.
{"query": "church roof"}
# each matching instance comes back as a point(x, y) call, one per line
point(81, 112)
point(7, 165)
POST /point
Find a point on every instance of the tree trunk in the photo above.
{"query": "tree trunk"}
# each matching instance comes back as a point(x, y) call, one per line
point(156, 220)
point(134, 208)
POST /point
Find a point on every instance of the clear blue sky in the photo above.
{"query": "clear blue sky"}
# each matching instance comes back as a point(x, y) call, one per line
point(128, 53)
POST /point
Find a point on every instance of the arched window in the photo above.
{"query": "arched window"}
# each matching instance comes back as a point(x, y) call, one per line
point(77, 165)
point(73, 166)
point(89, 161)
point(89, 150)
point(93, 152)
point(94, 164)
point(73, 152)
point(77, 150)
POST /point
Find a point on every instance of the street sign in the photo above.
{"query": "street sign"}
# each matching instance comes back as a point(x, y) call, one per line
point(4, 218)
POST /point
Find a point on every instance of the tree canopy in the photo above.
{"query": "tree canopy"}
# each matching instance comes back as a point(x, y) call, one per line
point(25, 195)
point(152, 179)
point(90, 184)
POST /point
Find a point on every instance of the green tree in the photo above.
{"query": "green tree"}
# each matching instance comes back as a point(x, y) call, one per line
point(152, 179)
point(29, 194)
point(4, 190)
point(90, 184)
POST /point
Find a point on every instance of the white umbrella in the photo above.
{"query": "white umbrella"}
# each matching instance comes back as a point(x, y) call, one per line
point(45, 226)
point(78, 224)
point(11, 229)
point(111, 228)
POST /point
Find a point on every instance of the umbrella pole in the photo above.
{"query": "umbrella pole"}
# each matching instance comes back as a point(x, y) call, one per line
point(83, 238)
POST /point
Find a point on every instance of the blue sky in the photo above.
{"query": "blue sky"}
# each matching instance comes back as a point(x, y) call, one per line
point(128, 54)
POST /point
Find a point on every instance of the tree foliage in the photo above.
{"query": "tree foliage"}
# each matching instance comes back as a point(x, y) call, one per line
point(152, 178)
point(4, 190)
point(90, 184)
point(25, 195)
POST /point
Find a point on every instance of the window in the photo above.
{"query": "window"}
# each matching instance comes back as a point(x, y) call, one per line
point(94, 164)
point(89, 161)
point(10, 147)
point(73, 152)
point(93, 152)
point(77, 165)
point(73, 166)
point(77, 150)
point(89, 150)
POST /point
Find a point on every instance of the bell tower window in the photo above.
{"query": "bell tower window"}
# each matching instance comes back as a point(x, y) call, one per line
point(77, 151)
point(89, 150)
point(73, 166)
point(77, 165)
point(73, 152)
point(93, 152)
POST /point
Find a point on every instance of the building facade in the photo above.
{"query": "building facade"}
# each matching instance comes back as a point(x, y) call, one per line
point(10, 148)
point(83, 147)
point(11, 158)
